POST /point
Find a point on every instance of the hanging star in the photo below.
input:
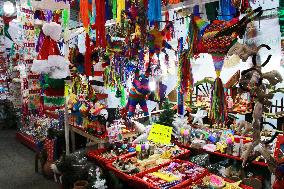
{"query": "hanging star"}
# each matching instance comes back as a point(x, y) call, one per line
point(198, 117)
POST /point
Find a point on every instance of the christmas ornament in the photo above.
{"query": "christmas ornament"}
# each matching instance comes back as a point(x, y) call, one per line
point(49, 60)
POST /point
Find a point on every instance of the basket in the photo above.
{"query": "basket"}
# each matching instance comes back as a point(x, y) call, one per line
point(95, 155)
point(225, 179)
point(146, 185)
point(123, 176)
point(184, 155)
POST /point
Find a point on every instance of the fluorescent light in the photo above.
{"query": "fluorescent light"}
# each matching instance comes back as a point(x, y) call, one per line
point(8, 7)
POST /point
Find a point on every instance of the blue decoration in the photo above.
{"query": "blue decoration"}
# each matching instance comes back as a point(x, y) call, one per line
point(154, 11)
point(226, 10)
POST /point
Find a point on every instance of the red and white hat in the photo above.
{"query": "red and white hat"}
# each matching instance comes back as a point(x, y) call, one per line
point(49, 60)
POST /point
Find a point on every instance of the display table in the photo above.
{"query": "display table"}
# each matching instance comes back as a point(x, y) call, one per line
point(27, 140)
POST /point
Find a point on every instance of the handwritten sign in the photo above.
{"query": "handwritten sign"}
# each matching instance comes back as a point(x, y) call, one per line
point(160, 134)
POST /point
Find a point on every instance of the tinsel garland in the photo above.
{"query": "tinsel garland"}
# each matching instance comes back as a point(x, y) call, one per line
point(192, 38)
point(88, 63)
point(100, 24)
point(65, 17)
point(57, 101)
point(185, 73)
point(168, 34)
point(108, 9)
point(123, 97)
point(49, 147)
point(114, 9)
point(181, 86)
point(120, 9)
point(53, 83)
point(84, 13)
point(174, 1)
point(218, 106)
point(154, 10)
point(227, 10)
point(281, 17)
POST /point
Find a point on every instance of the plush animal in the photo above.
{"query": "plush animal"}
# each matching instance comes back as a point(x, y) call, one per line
point(138, 93)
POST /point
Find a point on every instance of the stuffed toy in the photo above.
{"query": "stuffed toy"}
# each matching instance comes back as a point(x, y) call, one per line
point(138, 93)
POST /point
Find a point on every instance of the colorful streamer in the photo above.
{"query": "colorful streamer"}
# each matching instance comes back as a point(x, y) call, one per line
point(114, 9)
point(100, 24)
point(84, 13)
point(154, 10)
point(120, 9)
point(65, 17)
point(226, 10)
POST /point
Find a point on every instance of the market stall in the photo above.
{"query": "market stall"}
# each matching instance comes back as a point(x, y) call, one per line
point(149, 93)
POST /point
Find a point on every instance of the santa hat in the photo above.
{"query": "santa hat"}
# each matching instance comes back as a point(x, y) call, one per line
point(49, 60)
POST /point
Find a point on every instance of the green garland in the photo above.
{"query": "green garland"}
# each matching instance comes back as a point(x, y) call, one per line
point(54, 83)
point(57, 101)
point(281, 17)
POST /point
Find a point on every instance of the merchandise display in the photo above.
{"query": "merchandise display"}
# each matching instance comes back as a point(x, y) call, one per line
point(147, 94)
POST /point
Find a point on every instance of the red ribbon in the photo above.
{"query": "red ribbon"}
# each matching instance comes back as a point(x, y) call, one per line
point(100, 24)
point(88, 63)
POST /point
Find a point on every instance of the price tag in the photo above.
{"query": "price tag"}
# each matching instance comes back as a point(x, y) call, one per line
point(160, 134)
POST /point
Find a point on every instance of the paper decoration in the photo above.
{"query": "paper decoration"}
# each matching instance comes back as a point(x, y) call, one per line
point(50, 5)
point(160, 134)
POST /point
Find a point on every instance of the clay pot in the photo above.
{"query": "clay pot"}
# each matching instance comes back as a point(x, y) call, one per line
point(80, 184)
point(47, 171)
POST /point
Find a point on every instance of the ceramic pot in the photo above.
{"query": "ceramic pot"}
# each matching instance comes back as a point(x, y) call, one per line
point(80, 184)
point(47, 171)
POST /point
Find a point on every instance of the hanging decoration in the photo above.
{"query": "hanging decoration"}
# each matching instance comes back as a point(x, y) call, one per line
point(49, 5)
point(120, 8)
point(157, 43)
point(84, 13)
point(281, 23)
point(88, 63)
point(114, 9)
point(218, 106)
point(49, 60)
point(138, 93)
point(154, 10)
point(100, 24)
point(65, 17)
point(227, 10)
